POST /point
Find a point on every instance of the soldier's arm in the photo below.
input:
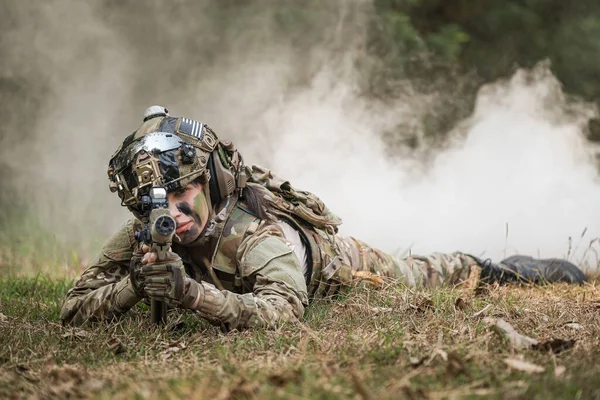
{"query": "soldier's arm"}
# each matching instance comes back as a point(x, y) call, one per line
point(279, 293)
point(104, 291)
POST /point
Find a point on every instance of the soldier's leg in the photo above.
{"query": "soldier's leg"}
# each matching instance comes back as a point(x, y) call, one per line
point(455, 268)
point(443, 269)
point(428, 271)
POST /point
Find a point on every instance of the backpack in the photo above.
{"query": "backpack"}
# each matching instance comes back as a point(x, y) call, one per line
point(284, 198)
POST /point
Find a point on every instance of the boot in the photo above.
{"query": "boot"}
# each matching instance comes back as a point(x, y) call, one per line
point(525, 269)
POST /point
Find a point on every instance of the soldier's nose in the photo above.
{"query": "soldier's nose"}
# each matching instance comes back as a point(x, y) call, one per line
point(174, 210)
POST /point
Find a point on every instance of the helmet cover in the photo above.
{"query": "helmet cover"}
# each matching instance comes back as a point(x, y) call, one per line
point(164, 152)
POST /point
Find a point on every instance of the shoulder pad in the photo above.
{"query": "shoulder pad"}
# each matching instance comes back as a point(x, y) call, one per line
point(120, 246)
point(235, 230)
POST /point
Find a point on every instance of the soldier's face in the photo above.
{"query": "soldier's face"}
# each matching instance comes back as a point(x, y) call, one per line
point(190, 209)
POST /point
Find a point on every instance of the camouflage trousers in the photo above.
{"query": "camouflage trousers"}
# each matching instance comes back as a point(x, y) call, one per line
point(363, 263)
point(417, 271)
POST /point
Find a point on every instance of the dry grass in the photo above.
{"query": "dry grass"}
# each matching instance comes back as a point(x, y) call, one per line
point(369, 344)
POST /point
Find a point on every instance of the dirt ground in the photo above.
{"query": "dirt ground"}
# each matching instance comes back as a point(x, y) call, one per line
point(502, 342)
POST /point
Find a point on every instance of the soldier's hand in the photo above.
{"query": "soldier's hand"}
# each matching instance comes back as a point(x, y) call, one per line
point(162, 280)
point(134, 271)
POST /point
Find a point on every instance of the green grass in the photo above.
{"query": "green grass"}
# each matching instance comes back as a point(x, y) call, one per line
point(29, 248)
point(368, 344)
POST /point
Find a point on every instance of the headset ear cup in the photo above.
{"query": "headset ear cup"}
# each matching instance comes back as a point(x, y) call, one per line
point(222, 180)
point(213, 184)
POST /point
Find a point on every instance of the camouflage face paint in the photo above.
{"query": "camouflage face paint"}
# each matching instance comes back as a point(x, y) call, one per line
point(187, 210)
point(191, 203)
point(201, 208)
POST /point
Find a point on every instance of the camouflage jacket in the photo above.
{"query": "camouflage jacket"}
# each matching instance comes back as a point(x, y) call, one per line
point(258, 276)
point(249, 273)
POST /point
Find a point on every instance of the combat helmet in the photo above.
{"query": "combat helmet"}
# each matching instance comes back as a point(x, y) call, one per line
point(171, 152)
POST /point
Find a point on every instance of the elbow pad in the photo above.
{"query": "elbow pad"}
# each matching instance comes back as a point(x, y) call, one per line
point(125, 296)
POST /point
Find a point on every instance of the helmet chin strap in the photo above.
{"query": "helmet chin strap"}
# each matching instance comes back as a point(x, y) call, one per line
point(215, 217)
point(217, 175)
point(221, 216)
point(210, 223)
point(210, 229)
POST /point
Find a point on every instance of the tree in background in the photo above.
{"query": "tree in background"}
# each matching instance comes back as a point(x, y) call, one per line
point(481, 41)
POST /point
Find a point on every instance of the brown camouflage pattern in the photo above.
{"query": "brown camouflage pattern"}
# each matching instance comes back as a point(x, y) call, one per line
point(104, 291)
point(243, 273)
point(265, 286)
point(284, 199)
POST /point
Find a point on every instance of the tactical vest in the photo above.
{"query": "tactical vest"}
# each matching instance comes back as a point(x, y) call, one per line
point(329, 264)
point(214, 260)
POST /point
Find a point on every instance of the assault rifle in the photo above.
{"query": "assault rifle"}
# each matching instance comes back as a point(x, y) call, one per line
point(157, 232)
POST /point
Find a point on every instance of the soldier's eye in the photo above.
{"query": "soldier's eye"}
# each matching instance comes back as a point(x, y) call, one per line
point(180, 192)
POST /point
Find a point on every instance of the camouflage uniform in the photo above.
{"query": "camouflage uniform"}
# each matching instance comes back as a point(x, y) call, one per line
point(258, 275)
point(242, 272)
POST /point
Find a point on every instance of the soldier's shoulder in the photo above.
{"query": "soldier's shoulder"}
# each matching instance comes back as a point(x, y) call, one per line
point(120, 245)
point(240, 223)
point(238, 226)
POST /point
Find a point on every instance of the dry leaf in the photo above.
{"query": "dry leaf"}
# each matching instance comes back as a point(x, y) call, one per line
point(559, 370)
point(76, 333)
point(116, 346)
point(516, 340)
point(524, 366)
point(482, 311)
point(416, 361)
point(3, 317)
point(423, 304)
point(573, 325)
point(368, 278)
point(441, 353)
point(168, 353)
point(377, 310)
point(172, 350)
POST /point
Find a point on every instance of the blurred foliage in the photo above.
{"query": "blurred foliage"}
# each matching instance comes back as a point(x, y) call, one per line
point(486, 40)
point(446, 49)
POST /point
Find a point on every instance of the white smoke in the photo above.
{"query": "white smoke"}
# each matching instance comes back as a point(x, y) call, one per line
point(521, 179)
point(521, 161)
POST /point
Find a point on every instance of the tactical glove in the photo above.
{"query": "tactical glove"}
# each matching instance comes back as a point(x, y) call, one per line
point(135, 266)
point(166, 280)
